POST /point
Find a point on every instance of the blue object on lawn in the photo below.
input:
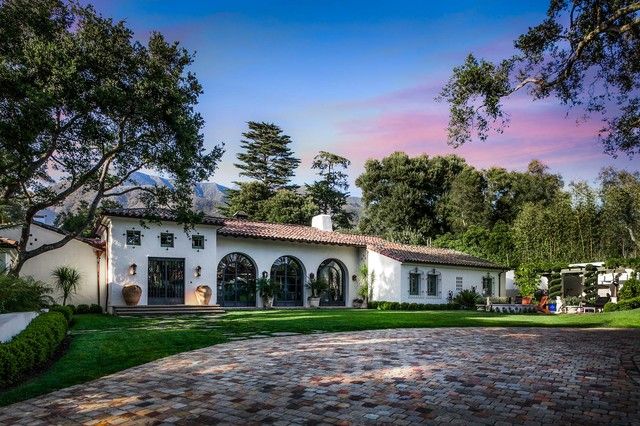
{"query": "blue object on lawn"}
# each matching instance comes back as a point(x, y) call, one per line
point(552, 307)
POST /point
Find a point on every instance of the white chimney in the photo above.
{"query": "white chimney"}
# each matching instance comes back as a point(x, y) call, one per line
point(322, 222)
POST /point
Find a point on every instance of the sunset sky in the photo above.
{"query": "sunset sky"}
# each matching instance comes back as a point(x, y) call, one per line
point(359, 78)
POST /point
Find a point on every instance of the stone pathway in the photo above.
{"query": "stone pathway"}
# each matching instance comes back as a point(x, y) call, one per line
point(471, 375)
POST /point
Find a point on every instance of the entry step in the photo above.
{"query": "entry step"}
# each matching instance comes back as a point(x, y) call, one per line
point(169, 310)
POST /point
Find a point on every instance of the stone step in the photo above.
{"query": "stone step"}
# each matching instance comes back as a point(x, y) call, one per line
point(168, 310)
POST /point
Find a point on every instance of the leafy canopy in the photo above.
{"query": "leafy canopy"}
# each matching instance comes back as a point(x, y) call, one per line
point(84, 106)
point(586, 53)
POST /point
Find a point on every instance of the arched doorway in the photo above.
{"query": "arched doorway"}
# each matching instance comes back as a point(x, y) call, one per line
point(289, 273)
point(335, 275)
point(236, 281)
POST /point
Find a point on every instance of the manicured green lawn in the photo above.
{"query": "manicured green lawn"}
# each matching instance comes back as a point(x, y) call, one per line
point(103, 344)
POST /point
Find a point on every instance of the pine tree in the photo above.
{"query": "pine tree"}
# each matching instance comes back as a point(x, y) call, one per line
point(330, 192)
point(555, 284)
point(270, 163)
point(590, 283)
point(267, 157)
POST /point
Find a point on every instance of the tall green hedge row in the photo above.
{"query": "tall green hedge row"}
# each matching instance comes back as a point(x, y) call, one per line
point(32, 348)
point(623, 305)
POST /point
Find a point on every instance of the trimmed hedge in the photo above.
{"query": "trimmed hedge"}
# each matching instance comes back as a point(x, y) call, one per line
point(95, 309)
point(404, 306)
point(623, 305)
point(67, 311)
point(83, 309)
point(32, 348)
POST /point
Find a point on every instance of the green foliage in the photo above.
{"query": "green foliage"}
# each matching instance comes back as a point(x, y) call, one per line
point(572, 300)
point(267, 157)
point(404, 306)
point(366, 280)
point(630, 289)
point(64, 310)
point(95, 309)
point(32, 348)
point(83, 309)
point(583, 53)
point(590, 284)
point(267, 287)
point(67, 280)
point(331, 191)
point(623, 305)
point(527, 280)
point(555, 284)
point(286, 206)
point(20, 294)
point(468, 299)
point(493, 244)
point(81, 96)
point(317, 286)
point(402, 193)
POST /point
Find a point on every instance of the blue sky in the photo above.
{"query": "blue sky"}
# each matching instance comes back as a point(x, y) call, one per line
point(359, 78)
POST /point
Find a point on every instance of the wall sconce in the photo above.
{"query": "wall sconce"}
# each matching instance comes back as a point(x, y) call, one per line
point(198, 271)
point(133, 269)
point(354, 278)
point(311, 276)
point(264, 274)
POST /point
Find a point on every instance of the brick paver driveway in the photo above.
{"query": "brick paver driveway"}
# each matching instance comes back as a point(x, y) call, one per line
point(390, 376)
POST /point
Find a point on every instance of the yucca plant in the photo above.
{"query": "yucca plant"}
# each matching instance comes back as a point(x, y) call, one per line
point(67, 280)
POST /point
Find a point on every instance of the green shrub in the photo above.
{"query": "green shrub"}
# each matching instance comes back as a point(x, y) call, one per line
point(627, 304)
point(630, 289)
point(64, 310)
point(21, 294)
point(32, 348)
point(82, 309)
point(611, 307)
point(468, 299)
point(95, 309)
point(404, 306)
point(73, 308)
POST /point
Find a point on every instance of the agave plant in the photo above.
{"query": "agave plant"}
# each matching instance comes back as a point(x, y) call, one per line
point(67, 280)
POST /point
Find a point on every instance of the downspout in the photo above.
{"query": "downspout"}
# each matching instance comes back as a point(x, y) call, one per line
point(98, 256)
point(106, 263)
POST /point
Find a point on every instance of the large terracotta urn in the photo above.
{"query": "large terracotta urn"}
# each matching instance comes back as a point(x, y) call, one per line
point(203, 294)
point(131, 294)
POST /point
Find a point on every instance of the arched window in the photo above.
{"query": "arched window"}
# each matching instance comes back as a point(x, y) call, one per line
point(236, 281)
point(288, 272)
point(333, 272)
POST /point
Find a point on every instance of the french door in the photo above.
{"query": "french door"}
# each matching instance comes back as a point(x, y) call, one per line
point(166, 281)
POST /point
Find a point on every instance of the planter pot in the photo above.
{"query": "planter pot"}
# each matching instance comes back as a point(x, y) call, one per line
point(131, 294)
point(527, 300)
point(314, 302)
point(203, 294)
point(356, 304)
point(267, 302)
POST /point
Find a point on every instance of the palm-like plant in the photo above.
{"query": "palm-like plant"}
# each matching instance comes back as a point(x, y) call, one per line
point(67, 280)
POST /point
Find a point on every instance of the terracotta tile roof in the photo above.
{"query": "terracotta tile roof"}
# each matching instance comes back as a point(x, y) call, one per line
point(296, 233)
point(243, 228)
point(7, 242)
point(431, 255)
point(160, 214)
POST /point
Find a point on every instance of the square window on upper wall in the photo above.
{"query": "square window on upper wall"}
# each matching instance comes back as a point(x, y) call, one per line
point(166, 239)
point(197, 242)
point(133, 238)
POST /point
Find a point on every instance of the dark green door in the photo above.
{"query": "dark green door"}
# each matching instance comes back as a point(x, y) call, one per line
point(166, 281)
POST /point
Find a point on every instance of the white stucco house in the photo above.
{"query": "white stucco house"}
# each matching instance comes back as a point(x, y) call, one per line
point(229, 254)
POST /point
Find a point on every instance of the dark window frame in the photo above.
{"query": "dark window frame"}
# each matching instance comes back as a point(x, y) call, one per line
point(164, 244)
point(432, 279)
point(414, 283)
point(135, 233)
point(193, 242)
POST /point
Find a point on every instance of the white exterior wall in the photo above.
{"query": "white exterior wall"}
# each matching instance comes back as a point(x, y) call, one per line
point(265, 252)
point(447, 282)
point(387, 273)
point(75, 253)
point(12, 324)
point(121, 256)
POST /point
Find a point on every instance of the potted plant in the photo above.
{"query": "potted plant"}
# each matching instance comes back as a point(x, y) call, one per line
point(571, 304)
point(317, 286)
point(267, 289)
point(528, 282)
point(203, 294)
point(131, 294)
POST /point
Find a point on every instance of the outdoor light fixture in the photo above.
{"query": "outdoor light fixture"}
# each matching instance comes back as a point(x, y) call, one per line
point(133, 269)
point(264, 274)
point(198, 271)
point(311, 276)
point(354, 277)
